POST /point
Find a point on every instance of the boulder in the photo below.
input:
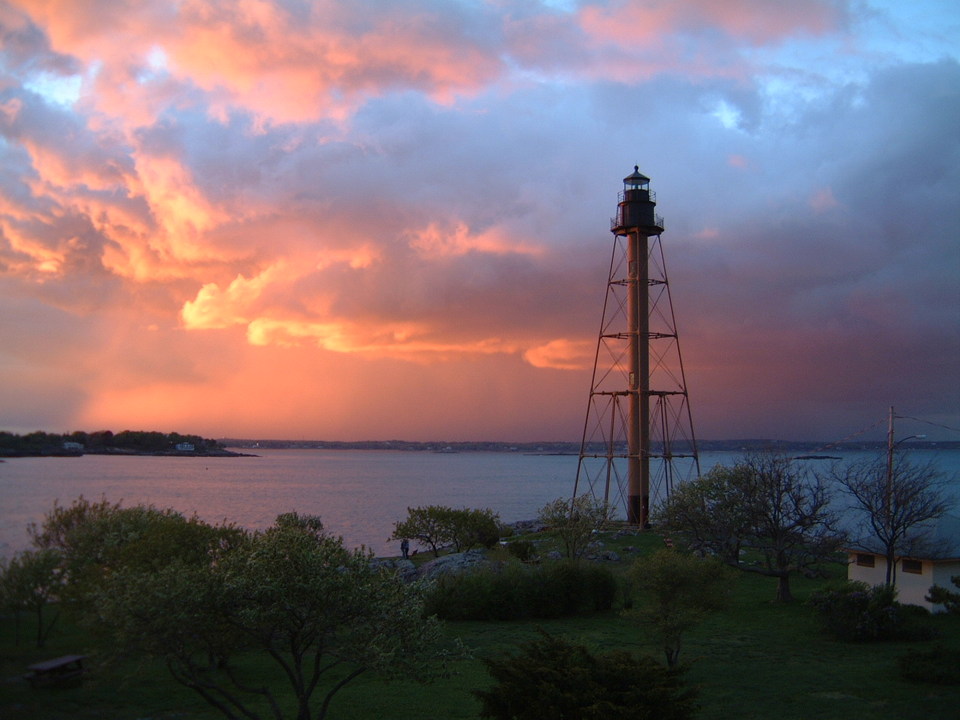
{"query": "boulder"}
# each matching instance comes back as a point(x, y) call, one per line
point(523, 527)
point(404, 568)
point(454, 563)
point(605, 556)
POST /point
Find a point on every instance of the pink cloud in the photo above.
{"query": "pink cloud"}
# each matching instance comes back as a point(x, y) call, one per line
point(738, 161)
point(756, 21)
point(279, 63)
point(823, 200)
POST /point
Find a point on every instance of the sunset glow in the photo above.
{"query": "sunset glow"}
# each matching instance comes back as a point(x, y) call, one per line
point(390, 220)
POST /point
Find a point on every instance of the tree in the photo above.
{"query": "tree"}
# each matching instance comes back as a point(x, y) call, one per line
point(710, 513)
point(321, 613)
point(896, 503)
point(942, 596)
point(474, 528)
point(30, 581)
point(575, 522)
point(436, 526)
point(767, 505)
point(552, 679)
point(96, 539)
point(678, 591)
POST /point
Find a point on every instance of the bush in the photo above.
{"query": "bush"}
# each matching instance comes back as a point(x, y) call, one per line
point(856, 612)
point(939, 666)
point(523, 592)
point(522, 550)
point(552, 678)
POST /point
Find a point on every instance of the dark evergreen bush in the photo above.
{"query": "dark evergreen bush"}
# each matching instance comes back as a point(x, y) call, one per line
point(552, 679)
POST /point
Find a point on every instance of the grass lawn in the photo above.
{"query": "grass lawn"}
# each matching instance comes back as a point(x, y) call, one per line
point(756, 660)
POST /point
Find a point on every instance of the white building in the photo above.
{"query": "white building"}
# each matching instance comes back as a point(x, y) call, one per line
point(915, 574)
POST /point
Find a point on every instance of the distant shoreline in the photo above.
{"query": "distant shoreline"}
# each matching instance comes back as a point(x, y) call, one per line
point(573, 448)
point(128, 453)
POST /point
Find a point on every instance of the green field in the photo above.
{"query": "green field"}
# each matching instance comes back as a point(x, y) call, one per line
point(756, 660)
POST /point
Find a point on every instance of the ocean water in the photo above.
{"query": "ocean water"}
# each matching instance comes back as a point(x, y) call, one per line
point(358, 494)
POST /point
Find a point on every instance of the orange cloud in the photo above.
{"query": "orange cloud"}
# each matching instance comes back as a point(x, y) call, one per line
point(562, 354)
point(214, 308)
point(436, 241)
point(407, 341)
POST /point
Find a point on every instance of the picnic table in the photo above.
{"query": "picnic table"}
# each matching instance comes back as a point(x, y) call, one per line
point(56, 670)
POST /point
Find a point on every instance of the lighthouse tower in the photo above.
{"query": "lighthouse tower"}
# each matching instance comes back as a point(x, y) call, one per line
point(638, 438)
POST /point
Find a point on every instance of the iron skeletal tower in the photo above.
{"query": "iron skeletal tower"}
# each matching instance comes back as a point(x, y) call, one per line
point(638, 438)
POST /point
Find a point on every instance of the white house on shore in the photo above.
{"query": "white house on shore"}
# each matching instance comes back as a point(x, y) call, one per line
point(915, 573)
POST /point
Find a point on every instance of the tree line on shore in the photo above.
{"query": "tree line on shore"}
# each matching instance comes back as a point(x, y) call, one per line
point(40, 443)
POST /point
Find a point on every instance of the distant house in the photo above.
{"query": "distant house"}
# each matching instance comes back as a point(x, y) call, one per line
point(72, 446)
point(185, 447)
point(916, 572)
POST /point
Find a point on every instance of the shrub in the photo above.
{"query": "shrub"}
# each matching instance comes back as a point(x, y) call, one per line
point(522, 550)
point(523, 592)
point(552, 678)
point(856, 612)
point(680, 590)
point(940, 666)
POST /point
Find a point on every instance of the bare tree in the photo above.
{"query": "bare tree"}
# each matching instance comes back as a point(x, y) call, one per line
point(897, 502)
point(764, 504)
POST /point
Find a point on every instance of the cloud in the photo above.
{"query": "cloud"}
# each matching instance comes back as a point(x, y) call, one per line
point(562, 354)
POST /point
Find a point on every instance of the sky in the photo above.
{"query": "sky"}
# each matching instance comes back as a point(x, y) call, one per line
point(389, 219)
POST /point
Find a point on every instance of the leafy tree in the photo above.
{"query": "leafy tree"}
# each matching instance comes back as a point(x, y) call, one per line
point(943, 596)
point(474, 528)
point(678, 591)
point(763, 503)
point(30, 581)
point(436, 526)
point(321, 613)
point(894, 501)
point(575, 522)
point(710, 513)
point(552, 679)
point(95, 539)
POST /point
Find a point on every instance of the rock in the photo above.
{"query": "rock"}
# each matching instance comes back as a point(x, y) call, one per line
point(455, 563)
point(524, 527)
point(605, 556)
point(405, 568)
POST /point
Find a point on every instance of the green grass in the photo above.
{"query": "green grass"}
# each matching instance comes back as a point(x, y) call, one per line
point(754, 661)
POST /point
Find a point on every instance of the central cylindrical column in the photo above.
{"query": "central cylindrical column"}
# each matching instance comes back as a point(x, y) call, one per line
point(638, 331)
